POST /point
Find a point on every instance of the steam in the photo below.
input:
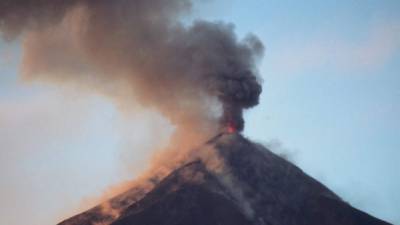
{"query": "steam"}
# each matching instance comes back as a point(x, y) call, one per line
point(199, 76)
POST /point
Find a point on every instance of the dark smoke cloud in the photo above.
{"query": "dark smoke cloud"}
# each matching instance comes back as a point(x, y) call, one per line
point(139, 48)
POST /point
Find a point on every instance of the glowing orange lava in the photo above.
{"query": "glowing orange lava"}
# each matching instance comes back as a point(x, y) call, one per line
point(231, 128)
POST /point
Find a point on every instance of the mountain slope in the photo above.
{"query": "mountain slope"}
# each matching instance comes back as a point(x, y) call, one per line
point(230, 181)
point(190, 195)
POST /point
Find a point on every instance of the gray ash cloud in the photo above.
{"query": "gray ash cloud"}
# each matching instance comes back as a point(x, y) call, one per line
point(142, 44)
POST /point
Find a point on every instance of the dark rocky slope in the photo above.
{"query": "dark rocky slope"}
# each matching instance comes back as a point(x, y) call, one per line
point(247, 185)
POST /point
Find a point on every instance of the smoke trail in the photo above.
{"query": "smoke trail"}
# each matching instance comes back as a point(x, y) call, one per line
point(197, 76)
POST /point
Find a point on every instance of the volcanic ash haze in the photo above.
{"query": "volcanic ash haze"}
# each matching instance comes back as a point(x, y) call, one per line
point(198, 76)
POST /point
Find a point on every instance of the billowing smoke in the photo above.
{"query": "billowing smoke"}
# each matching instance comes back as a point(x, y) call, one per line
point(196, 75)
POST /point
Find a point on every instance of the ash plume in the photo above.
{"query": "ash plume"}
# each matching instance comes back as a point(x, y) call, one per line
point(196, 75)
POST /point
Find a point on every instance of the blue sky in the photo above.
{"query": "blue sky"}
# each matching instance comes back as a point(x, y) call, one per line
point(331, 102)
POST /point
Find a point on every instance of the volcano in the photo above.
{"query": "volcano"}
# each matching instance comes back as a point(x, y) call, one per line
point(229, 181)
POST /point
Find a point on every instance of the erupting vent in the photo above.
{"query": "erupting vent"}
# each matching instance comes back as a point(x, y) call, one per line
point(231, 128)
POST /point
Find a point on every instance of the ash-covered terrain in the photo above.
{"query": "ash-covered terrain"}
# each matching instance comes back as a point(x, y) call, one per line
point(229, 181)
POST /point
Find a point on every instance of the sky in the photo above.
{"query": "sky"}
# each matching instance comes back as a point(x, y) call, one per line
point(330, 103)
